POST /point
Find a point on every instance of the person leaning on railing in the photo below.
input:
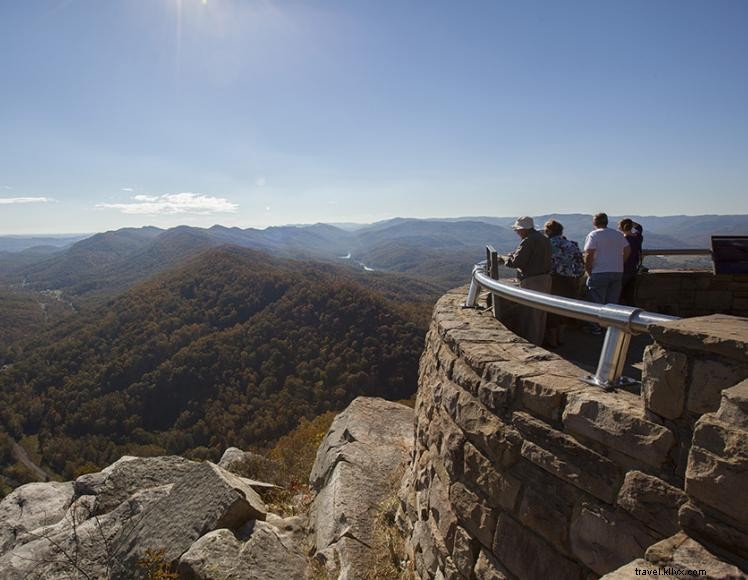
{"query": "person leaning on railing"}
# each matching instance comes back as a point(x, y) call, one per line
point(532, 258)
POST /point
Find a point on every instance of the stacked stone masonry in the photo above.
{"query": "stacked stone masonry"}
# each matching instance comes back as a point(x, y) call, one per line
point(522, 471)
point(688, 293)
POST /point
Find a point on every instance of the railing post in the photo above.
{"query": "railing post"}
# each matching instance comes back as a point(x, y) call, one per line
point(612, 360)
point(472, 296)
point(492, 264)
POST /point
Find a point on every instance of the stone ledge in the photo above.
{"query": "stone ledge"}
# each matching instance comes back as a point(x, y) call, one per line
point(719, 334)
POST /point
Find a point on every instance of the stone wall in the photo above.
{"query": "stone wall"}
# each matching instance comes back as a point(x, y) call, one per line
point(692, 292)
point(520, 470)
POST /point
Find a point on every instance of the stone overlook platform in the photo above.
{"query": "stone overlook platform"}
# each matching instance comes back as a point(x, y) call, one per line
point(522, 471)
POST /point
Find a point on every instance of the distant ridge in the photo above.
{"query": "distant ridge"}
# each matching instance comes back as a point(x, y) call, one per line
point(441, 251)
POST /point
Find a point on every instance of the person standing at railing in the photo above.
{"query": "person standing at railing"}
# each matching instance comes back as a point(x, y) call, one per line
point(532, 258)
point(632, 231)
point(567, 267)
point(605, 251)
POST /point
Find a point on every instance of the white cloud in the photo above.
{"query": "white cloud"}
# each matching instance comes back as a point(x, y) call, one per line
point(174, 203)
point(127, 189)
point(261, 182)
point(9, 200)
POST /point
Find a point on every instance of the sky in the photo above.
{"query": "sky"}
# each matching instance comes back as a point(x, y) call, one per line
point(253, 113)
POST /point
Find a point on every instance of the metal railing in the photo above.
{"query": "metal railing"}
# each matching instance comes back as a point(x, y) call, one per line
point(677, 252)
point(621, 321)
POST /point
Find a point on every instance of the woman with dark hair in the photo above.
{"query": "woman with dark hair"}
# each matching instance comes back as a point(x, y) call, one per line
point(632, 231)
point(567, 267)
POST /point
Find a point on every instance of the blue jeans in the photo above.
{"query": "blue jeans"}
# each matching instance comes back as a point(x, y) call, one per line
point(604, 287)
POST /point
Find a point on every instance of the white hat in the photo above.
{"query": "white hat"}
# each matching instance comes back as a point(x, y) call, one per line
point(524, 223)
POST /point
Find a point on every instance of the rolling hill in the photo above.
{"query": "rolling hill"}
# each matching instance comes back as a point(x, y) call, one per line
point(232, 348)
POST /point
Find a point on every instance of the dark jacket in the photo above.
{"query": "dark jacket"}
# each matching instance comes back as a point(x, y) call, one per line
point(631, 265)
point(532, 257)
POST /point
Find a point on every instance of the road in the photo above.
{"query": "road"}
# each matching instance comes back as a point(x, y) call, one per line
point(21, 455)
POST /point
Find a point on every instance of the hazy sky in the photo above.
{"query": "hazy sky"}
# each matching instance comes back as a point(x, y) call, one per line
point(255, 112)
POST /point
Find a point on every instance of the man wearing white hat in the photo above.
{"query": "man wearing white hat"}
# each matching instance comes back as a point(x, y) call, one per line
point(532, 258)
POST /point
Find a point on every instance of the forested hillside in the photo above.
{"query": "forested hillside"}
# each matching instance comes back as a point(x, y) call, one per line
point(23, 314)
point(231, 349)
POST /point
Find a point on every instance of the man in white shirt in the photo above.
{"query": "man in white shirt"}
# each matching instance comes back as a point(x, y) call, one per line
point(605, 251)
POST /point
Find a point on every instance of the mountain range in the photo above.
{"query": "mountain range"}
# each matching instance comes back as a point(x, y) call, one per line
point(186, 340)
point(441, 251)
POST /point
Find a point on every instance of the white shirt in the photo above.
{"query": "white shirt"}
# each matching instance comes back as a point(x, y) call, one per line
point(608, 246)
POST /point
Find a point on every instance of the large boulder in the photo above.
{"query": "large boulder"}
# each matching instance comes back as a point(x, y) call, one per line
point(366, 446)
point(206, 498)
point(257, 551)
point(80, 544)
point(32, 506)
point(249, 465)
point(124, 477)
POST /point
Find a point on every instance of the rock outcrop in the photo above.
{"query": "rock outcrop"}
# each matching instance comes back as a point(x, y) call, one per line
point(166, 509)
point(206, 498)
point(32, 506)
point(257, 551)
point(358, 466)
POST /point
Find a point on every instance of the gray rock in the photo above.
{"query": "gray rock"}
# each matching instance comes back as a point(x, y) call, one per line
point(664, 381)
point(463, 553)
point(734, 407)
point(708, 379)
point(545, 395)
point(249, 465)
point(604, 539)
point(702, 524)
point(529, 557)
point(499, 441)
point(257, 551)
point(425, 550)
point(651, 501)
point(615, 421)
point(365, 449)
point(371, 423)
point(681, 554)
point(206, 498)
point(474, 513)
point(80, 545)
point(719, 334)
point(124, 477)
point(488, 568)
point(500, 489)
point(717, 471)
point(563, 456)
point(32, 506)
point(547, 505)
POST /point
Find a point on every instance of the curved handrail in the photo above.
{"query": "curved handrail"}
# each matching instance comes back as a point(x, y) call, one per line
point(621, 321)
point(627, 318)
point(677, 252)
